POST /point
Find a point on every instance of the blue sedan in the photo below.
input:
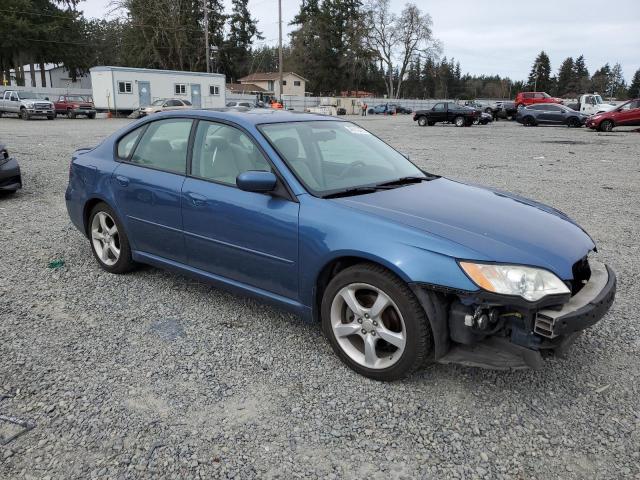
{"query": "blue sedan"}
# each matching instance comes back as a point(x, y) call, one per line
point(320, 217)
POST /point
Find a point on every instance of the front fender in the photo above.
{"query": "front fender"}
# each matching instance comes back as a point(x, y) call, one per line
point(413, 255)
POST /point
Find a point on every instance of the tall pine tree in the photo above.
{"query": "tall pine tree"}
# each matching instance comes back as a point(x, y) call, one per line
point(236, 48)
point(566, 84)
point(634, 88)
point(540, 75)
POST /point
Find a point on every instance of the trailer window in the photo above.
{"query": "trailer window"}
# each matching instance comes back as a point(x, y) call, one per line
point(214, 90)
point(124, 87)
point(180, 89)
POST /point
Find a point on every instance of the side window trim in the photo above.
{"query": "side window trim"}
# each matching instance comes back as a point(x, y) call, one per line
point(143, 129)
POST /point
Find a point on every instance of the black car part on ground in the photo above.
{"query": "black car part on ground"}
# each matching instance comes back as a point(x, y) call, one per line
point(10, 176)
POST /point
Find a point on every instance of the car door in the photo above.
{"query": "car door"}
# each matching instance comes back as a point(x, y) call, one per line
point(248, 237)
point(147, 186)
point(629, 114)
point(550, 113)
point(439, 112)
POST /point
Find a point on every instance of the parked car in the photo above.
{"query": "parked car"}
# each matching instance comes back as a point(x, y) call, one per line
point(26, 105)
point(591, 104)
point(550, 114)
point(242, 103)
point(627, 114)
point(400, 109)
point(448, 112)
point(524, 99)
point(10, 176)
point(74, 105)
point(166, 104)
point(489, 108)
point(384, 109)
point(316, 215)
point(507, 110)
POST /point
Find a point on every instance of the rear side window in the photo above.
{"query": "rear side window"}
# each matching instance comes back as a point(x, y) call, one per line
point(126, 143)
point(164, 145)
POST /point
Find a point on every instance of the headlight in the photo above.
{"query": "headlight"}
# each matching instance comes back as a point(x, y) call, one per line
point(532, 284)
point(29, 104)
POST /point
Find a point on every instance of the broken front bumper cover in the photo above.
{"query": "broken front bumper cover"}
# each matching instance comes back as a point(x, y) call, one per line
point(556, 329)
point(584, 309)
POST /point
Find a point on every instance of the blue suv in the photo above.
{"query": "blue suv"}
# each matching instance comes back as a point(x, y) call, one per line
point(320, 217)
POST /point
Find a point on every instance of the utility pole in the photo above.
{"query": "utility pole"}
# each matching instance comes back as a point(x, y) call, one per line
point(206, 36)
point(280, 46)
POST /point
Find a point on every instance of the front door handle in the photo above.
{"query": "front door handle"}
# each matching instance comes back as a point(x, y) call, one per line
point(124, 181)
point(197, 200)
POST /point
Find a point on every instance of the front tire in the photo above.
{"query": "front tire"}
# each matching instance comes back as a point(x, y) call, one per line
point(573, 123)
point(375, 324)
point(606, 126)
point(24, 114)
point(109, 241)
point(528, 122)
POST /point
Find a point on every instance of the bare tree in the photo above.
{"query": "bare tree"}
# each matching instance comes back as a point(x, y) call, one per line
point(396, 39)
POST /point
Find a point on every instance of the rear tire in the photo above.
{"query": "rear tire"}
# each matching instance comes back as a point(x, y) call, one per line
point(422, 121)
point(70, 114)
point(606, 126)
point(108, 240)
point(91, 116)
point(459, 121)
point(51, 117)
point(358, 328)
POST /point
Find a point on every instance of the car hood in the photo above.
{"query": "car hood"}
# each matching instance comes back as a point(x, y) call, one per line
point(501, 227)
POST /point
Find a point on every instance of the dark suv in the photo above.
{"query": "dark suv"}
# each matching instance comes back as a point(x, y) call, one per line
point(448, 112)
point(550, 114)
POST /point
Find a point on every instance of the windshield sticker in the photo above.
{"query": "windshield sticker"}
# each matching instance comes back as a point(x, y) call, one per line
point(357, 130)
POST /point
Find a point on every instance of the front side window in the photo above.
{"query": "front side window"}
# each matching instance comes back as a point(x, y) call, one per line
point(439, 107)
point(330, 156)
point(222, 152)
point(124, 87)
point(164, 145)
point(180, 89)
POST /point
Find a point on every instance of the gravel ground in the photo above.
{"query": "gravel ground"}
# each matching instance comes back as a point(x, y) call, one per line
point(156, 375)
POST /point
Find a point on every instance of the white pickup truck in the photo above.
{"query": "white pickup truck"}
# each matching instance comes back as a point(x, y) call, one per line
point(591, 103)
point(26, 105)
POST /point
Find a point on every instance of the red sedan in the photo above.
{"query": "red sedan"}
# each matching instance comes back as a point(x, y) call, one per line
point(627, 114)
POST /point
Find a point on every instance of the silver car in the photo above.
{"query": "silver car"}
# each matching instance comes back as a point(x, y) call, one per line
point(166, 104)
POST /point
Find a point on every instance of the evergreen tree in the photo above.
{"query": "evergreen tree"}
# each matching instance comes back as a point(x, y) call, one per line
point(634, 88)
point(617, 87)
point(601, 79)
point(581, 75)
point(566, 78)
point(540, 75)
point(236, 49)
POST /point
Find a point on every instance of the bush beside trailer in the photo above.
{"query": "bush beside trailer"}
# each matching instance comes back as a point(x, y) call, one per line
point(126, 89)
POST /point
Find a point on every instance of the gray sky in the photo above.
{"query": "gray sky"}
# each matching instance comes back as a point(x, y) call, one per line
point(502, 36)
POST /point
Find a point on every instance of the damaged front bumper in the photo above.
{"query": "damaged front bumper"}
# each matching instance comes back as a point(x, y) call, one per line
point(492, 332)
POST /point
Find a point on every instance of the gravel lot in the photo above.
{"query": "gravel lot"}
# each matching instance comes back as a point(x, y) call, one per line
point(156, 375)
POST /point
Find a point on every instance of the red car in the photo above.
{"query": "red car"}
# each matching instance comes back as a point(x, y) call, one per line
point(74, 105)
point(524, 99)
point(627, 114)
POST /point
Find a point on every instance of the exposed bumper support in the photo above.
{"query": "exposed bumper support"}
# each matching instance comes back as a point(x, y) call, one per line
point(584, 309)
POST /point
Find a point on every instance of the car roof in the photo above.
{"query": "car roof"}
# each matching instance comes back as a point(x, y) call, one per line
point(250, 117)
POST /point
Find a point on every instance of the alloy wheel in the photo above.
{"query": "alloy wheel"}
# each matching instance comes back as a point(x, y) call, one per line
point(368, 326)
point(105, 238)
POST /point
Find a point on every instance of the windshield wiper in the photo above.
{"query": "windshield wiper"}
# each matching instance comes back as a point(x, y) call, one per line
point(406, 181)
point(348, 192)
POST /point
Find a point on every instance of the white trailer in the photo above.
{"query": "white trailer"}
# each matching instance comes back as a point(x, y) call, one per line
point(127, 89)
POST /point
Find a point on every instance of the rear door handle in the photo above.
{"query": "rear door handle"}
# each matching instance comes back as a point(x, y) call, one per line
point(197, 200)
point(124, 181)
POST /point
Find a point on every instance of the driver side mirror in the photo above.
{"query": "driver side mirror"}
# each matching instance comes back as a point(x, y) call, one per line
point(256, 181)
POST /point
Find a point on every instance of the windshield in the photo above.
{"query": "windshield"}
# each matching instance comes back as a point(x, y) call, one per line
point(598, 99)
point(546, 95)
point(330, 156)
point(27, 95)
point(158, 102)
